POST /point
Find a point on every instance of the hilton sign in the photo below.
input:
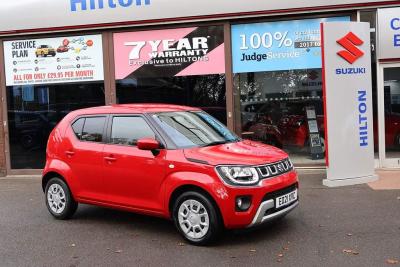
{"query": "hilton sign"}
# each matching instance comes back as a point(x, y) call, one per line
point(347, 84)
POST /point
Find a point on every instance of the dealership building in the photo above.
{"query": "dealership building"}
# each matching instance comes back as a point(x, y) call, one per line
point(254, 65)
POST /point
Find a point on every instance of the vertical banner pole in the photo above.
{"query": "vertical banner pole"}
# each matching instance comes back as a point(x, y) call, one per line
point(347, 89)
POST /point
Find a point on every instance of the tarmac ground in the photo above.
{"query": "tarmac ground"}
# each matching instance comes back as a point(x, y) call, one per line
point(346, 226)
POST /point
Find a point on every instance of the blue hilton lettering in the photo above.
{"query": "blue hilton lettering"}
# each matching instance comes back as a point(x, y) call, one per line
point(362, 118)
point(82, 5)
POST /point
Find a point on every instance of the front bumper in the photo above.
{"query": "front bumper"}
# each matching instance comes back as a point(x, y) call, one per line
point(263, 201)
point(262, 215)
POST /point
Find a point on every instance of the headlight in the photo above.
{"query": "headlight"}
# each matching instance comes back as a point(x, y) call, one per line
point(238, 175)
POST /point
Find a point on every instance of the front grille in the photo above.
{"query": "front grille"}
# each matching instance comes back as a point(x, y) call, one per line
point(276, 168)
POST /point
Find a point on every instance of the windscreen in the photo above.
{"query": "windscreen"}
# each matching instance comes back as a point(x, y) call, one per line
point(193, 129)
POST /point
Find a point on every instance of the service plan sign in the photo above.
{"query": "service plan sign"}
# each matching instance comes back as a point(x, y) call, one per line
point(348, 101)
point(389, 33)
point(54, 60)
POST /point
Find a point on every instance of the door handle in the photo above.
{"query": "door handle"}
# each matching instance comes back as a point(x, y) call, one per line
point(110, 158)
point(69, 153)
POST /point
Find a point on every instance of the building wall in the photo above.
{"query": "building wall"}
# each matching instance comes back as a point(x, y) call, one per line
point(310, 81)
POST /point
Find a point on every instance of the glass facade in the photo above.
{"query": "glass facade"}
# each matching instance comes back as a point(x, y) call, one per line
point(184, 66)
point(206, 92)
point(392, 112)
point(276, 85)
point(34, 110)
point(273, 109)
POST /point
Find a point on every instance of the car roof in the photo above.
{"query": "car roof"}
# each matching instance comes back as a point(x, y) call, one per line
point(134, 108)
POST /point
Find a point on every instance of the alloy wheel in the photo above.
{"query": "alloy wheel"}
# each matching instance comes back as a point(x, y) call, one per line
point(56, 198)
point(193, 219)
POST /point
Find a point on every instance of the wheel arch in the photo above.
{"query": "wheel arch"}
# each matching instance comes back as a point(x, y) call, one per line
point(51, 174)
point(60, 169)
point(192, 187)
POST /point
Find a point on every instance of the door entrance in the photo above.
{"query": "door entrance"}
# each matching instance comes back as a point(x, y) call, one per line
point(389, 140)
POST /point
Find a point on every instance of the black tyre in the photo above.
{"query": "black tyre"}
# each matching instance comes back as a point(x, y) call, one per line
point(27, 141)
point(59, 200)
point(196, 218)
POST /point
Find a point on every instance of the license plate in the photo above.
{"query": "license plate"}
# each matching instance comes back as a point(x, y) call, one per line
point(286, 199)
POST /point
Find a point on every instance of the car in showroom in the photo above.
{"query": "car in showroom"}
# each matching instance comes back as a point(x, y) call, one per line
point(168, 161)
point(293, 130)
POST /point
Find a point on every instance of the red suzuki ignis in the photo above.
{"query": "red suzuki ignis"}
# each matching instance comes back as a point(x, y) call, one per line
point(170, 161)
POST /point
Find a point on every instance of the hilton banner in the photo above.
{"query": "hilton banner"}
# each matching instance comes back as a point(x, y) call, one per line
point(348, 103)
point(46, 15)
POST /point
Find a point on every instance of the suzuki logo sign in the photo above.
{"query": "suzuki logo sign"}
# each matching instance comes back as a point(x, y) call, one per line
point(349, 142)
point(350, 42)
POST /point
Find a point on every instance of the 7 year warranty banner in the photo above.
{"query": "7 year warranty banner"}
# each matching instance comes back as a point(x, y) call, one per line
point(54, 60)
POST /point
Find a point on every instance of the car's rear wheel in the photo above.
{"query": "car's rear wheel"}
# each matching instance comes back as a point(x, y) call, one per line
point(59, 200)
point(196, 218)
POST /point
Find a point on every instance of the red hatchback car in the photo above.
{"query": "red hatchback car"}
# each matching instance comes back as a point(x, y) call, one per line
point(168, 161)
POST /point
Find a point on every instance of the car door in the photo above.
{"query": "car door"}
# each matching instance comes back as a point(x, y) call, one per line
point(83, 152)
point(132, 176)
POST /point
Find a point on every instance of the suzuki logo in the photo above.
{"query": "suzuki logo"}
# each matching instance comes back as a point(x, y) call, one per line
point(350, 43)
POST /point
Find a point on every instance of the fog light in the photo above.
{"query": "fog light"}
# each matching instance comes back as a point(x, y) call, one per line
point(243, 203)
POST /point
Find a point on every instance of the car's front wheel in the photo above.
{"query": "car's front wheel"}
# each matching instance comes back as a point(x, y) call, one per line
point(59, 200)
point(196, 218)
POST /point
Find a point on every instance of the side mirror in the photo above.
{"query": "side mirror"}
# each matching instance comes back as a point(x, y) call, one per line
point(148, 144)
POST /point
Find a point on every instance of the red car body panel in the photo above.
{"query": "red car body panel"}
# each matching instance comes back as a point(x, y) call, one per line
point(246, 153)
point(125, 184)
point(107, 174)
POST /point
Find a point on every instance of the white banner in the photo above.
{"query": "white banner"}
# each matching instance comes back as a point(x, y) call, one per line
point(388, 33)
point(348, 101)
point(44, 14)
point(54, 60)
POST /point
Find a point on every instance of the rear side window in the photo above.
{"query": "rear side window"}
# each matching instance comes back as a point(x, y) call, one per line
point(93, 129)
point(89, 129)
point(127, 130)
point(77, 126)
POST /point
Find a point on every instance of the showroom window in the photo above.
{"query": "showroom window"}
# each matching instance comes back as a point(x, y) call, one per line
point(278, 85)
point(46, 79)
point(184, 66)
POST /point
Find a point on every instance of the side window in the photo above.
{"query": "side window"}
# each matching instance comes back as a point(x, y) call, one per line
point(127, 130)
point(93, 129)
point(77, 126)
